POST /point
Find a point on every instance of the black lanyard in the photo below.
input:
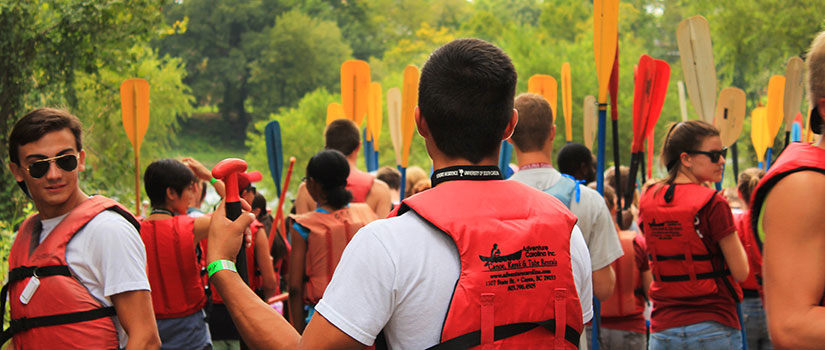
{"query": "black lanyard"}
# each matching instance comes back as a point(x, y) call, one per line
point(162, 211)
point(466, 172)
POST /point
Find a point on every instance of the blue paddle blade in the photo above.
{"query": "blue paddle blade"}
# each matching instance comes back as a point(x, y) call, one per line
point(796, 133)
point(274, 152)
point(504, 157)
point(370, 156)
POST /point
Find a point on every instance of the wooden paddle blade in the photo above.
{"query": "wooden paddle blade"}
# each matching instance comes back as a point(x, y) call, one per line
point(375, 114)
point(682, 103)
point(546, 86)
point(774, 108)
point(730, 114)
point(274, 152)
point(759, 132)
point(409, 100)
point(134, 106)
point(589, 123)
point(614, 88)
point(645, 75)
point(394, 120)
point(794, 74)
point(355, 88)
point(696, 51)
point(567, 101)
point(605, 39)
point(335, 111)
point(657, 96)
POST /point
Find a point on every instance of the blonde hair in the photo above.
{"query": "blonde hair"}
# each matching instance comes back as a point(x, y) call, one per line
point(815, 61)
point(748, 179)
point(414, 175)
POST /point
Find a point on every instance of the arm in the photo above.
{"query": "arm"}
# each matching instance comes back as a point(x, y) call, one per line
point(379, 199)
point(794, 262)
point(303, 201)
point(134, 310)
point(735, 256)
point(295, 280)
point(647, 279)
point(201, 228)
point(603, 281)
point(201, 172)
point(264, 261)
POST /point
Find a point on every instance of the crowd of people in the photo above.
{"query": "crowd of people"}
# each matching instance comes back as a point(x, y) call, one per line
point(463, 258)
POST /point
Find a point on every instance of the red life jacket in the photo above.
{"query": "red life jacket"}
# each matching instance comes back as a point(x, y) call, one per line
point(329, 234)
point(172, 266)
point(521, 293)
point(359, 183)
point(75, 319)
point(625, 301)
point(681, 263)
point(251, 264)
point(752, 286)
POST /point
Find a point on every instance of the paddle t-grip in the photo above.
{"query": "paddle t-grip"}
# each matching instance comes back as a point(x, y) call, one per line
point(227, 170)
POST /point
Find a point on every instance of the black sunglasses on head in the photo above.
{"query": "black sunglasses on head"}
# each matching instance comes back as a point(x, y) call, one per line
point(67, 162)
point(713, 155)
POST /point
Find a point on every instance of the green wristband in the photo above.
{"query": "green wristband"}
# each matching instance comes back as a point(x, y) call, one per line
point(218, 265)
point(213, 181)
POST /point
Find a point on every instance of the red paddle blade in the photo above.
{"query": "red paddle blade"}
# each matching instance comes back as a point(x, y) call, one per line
point(644, 79)
point(650, 144)
point(662, 79)
point(614, 87)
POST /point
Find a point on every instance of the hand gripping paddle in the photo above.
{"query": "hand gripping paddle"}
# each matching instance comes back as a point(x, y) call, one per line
point(227, 170)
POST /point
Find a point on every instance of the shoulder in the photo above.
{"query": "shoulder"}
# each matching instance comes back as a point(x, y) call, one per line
point(110, 230)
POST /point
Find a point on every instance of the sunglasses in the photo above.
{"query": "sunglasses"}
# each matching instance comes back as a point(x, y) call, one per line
point(713, 155)
point(67, 162)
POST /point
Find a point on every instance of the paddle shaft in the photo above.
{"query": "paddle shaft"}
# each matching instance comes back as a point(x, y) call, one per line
point(734, 151)
point(279, 214)
point(403, 171)
point(635, 159)
point(616, 173)
point(787, 138)
point(137, 150)
point(233, 211)
point(600, 156)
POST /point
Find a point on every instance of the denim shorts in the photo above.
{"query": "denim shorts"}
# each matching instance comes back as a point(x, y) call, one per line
point(699, 336)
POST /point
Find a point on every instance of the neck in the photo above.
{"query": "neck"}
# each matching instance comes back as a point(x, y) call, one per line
point(48, 211)
point(525, 158)
point(684, 177)
point(444, 163)
point(352, 159)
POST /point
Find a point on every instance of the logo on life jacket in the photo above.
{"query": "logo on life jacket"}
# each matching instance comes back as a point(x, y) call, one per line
point(665, 229)
point(496, 257)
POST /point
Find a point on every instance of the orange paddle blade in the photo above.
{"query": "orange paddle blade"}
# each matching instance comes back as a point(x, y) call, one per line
point(759, 132)
point(696, 51)
point(394, 120)
point(375, 114)
point(589, 109)
point(409, 100)
point(605, 39)
point(546, 86)
point(134, 106)
point(730, 114)
point(335, 111)
point(794, 74)
point(355, 89)
point(567, 101)
point(774, 108)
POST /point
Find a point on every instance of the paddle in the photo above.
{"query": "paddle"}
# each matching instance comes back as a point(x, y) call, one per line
point(227, 170)
point(650, 146)
point(279, 214)
point(545, 85)
point(409, 99)
point(729, 119)
point(394, 120)
point(682, 103)
point(134, 106)
point(605, 41)
point(335, 111)
point(374, 119)
point(355, 87)
point(614, 116)
point(696, 51)
point(793, 92)
point(567, 102)
point(589, 122)
point(774, 110)
point(796, 134)
point(652, 77)
point(505, 154)
point(759, 133)
point(274, 152)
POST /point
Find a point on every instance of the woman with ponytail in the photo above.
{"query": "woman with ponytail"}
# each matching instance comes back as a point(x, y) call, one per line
point(694, 252)
point(320, 236)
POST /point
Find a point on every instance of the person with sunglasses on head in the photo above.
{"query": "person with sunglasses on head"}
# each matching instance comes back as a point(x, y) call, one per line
point(78, 267)
point(787, 208)
point(693, 249)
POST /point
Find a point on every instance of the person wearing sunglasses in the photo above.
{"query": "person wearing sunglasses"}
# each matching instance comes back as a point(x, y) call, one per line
point(693, 249)
point(80, 256)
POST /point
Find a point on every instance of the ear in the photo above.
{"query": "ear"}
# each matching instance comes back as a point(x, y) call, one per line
point(686, 160)
point(17, 171)
point(81, 161)
point(421, 124)
point(552, 134)
point(171, 195)
point(511, 125)
point(820, 106)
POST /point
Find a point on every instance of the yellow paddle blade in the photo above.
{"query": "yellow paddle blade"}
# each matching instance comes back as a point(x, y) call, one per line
point(590, 121)
point(776, 96)
point(730, 114)
point(794, 74)
point(134, 106)
point(409, 100)
point(394, 119)
point(375, 114)
point(696, 51)
point(355, 89)
point(682, 104)
point(605, 39)
point(567, 101)
point(546, 86)
point(759, 131)
point(335, 111)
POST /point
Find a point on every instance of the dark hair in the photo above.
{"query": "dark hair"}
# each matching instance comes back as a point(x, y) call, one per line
point(815, 60)
point(39, 122)
point(259, 202)
point(342, 135)
point(571, 157)
point(683, 136)
point(391, 176)
point(330, 169)
point(748, 179)
point(163, 174)
point(535, 119)
point(203, 191)
point(465, 95)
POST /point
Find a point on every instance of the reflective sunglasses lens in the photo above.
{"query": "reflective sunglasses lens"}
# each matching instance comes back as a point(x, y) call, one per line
point(39, 168)
point(67, 162)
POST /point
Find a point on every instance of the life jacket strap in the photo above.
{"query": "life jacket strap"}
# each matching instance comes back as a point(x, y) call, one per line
point(699, 276)
point(472, 339)
point(24, 323)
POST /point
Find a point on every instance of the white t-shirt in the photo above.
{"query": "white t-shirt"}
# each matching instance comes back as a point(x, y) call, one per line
point(107, 256)
point(398, 274)
point(594, 218)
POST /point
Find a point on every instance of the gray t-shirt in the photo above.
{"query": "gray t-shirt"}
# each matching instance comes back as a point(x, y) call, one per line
point(594, 217)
